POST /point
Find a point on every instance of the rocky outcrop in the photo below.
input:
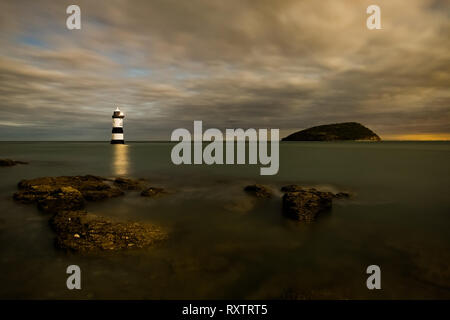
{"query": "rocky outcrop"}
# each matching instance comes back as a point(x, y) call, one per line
point(258, 190)
point(304, 204)
point(92, 188)
point(84, 232)
point(333, 132)
point(10, 163)
point(153, 192)
point(65, 198)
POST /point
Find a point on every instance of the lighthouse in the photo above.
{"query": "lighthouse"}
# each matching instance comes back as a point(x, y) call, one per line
point(117, 127)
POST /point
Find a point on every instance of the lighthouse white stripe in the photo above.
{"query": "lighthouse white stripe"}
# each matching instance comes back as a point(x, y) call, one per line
point(117, 122)
point(117, 136)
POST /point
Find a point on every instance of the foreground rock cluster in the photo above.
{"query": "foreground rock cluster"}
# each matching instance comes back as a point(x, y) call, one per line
point(65, 198)
point(300, 203)
point(76, 229)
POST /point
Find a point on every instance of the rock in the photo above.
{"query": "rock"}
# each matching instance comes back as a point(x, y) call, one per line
point(33, 193)
point(292, 188)
point(128, 184)
point(96, 195)
point(258, 190)
point(76, 229)
point(305, 204)
point(297, 188)
point(342, 195)
point(153, 192)
point(64, 198)
point(333, 132)
point(92, 188)
point(83, 232)
point(10, 163)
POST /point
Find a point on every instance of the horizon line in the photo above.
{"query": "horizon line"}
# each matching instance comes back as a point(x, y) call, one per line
point(108, 141)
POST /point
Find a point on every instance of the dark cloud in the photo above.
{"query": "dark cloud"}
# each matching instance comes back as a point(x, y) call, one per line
point(284, 64)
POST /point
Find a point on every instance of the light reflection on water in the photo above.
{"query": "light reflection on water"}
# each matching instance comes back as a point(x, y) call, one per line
point(120, 159)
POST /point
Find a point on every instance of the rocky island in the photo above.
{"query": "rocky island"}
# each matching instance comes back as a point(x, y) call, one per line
point(335, 132)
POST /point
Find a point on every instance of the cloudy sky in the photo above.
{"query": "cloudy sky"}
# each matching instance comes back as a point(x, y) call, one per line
point(287, 64)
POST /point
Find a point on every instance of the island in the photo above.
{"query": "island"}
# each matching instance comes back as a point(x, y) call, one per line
point(335, 132)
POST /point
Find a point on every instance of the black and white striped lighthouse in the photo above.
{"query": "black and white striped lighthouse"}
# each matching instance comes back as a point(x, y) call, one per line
point(117, 127)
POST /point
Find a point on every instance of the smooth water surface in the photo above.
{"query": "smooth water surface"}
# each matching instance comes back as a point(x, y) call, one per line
point(226, 244)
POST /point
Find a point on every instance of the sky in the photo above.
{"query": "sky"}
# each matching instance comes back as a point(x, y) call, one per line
point(286, 64)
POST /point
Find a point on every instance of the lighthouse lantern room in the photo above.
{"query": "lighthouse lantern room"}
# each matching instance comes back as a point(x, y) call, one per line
point(117, 127)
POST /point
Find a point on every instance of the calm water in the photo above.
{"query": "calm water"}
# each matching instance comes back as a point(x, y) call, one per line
point(223, 243)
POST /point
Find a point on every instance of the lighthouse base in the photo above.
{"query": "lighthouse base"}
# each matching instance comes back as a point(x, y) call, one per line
point(117, 142)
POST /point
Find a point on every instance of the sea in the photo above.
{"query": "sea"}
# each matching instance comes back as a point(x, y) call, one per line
point(225, 244)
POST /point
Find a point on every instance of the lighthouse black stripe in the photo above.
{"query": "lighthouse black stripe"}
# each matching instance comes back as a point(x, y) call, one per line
point(117, 142)
point(117, 130)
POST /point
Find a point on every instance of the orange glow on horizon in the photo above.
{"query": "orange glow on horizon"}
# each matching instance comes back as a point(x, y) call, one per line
point(419, 137)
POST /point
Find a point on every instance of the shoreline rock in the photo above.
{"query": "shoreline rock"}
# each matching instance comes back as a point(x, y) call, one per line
point(304, 204)
point(77, 230)
point(10, 163)
point(92, 188)
point(64, 198)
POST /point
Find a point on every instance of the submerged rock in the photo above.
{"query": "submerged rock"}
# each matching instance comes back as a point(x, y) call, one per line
point(258, 190)
point(84, 232)
point(10, 163)
point(128, 184)
point(241, 204)
point(342, 195)
point(153, 192)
